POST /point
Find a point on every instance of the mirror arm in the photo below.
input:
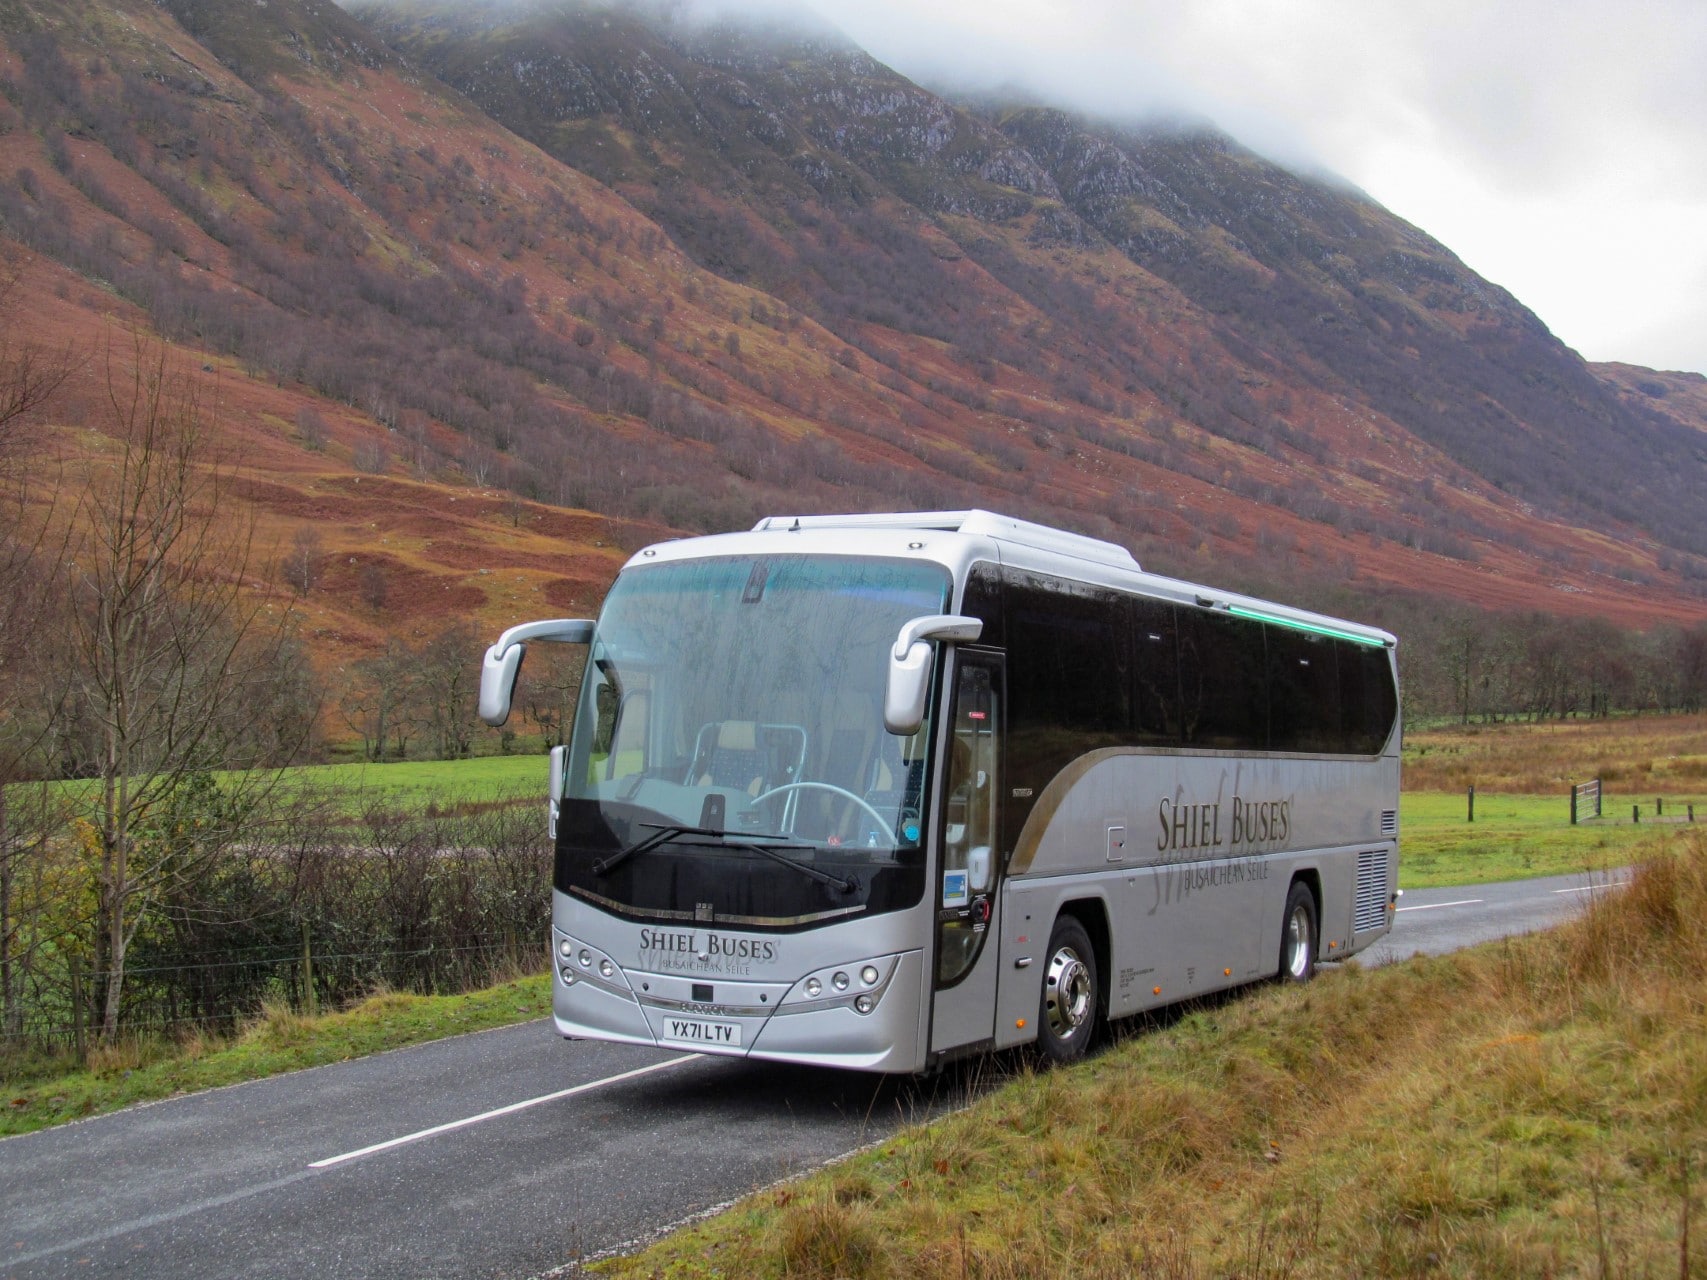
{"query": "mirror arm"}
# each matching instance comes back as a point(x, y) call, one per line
point(504, 660)
point(909, 667)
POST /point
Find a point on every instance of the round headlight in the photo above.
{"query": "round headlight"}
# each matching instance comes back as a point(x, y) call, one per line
point(568, 975)
point(586, 959)
point(564, 949)
point(606, 968)
point(868, 975)
point(864, 1003)
point(813, 986)
point(841, 980)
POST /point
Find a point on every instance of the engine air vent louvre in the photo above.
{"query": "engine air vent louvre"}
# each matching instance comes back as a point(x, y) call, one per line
point(1370, 910)
point(1389, 822)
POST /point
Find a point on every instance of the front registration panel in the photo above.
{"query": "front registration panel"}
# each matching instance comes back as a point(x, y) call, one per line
point(702, 1032)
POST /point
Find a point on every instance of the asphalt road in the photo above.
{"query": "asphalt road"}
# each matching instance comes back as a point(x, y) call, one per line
point(1434, 921)
point(507, 1154)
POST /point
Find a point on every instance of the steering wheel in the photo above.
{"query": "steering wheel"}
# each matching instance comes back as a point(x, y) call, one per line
point(883, 827)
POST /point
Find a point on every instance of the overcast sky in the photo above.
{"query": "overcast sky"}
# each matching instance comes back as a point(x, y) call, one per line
point(1559, 147)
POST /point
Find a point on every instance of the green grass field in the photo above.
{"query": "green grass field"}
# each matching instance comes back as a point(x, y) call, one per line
point(1514, 837)
point(414, 786)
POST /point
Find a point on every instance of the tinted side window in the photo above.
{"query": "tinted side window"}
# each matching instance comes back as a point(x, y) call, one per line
point(983, 600)
point(1069, 672)
point(1303, 692)
point(1223, 673)
point(1368, 700)
point(1155, 674)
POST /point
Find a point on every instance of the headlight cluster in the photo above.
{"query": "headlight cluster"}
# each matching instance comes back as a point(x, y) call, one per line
point(860, 987)
point(577, 962)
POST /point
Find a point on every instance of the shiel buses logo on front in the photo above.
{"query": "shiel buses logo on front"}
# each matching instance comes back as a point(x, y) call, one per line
point(687, 950)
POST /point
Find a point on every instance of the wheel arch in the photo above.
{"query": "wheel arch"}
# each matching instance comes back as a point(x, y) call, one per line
point(1311, 878)
point(1092, 915)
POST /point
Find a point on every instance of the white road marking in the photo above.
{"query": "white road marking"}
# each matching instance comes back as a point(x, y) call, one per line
point(1435, 906)
point(1595, 888)
point(329, 1161)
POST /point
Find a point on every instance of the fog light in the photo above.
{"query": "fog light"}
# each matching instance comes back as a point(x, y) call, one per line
point(868, 975)
point(606, 968)
point(813, 986)
point(564, 949)
point(865, 1004)
point(840, 981)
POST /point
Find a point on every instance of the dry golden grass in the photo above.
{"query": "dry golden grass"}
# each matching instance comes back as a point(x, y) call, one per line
point(1533, 1108)
point(1640, 756)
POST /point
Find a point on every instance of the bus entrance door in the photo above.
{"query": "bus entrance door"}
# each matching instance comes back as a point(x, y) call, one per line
point(964, 1004)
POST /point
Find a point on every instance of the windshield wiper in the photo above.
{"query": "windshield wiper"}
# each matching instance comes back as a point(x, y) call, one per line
point(664, 834)
point(774, 853)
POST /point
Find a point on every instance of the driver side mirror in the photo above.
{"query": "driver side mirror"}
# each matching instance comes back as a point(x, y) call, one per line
point(910, 667)
point(554, 787)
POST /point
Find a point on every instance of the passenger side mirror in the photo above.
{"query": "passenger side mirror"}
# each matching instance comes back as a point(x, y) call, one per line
point(910, 667)
point(504, 660)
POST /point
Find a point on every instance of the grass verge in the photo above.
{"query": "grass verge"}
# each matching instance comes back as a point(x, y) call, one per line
point(43, 1091)
point(1533, 1107)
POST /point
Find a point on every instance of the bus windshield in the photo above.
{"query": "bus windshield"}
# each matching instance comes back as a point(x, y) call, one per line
point(729, 761)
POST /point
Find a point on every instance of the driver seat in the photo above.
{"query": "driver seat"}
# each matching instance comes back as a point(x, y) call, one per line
point(744, 755)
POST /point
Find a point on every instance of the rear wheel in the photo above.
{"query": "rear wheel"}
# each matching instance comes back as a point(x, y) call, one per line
point(1067, 1009)
point(1298, 935)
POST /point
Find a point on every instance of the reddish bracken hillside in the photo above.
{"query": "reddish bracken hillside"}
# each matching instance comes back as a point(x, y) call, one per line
point(481, 302)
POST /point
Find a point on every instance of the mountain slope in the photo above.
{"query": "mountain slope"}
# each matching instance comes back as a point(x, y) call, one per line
point(681, 274)
point(1307, 281)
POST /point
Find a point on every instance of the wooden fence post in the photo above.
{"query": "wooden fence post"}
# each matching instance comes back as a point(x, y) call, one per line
point(309, 1003)
point(77, 1004)
point(1472, 814)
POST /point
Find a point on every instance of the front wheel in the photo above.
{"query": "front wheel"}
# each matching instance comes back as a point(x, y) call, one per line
point(1067, 1009)
point(1298, 935)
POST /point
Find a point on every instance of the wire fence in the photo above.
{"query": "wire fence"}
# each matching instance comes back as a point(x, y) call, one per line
point(310, 917)
point(62, 1007)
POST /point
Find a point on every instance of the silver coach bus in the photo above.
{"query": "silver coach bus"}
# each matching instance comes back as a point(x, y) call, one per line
point(877, 791)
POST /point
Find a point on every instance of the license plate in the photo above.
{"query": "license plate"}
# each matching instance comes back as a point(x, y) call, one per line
point(699, 1031)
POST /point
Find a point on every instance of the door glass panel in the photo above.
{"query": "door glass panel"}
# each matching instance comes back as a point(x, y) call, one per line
point(969, 856)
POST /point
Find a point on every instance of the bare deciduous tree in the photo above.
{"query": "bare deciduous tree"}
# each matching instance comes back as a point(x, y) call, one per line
point(304, 562)
point(447, 677)
point(162, 639)
point(30, 374)
point(377, 700)
point(552, 687)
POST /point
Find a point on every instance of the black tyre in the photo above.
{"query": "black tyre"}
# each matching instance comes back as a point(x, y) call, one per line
point(1067, 1009)
point(1298, 935)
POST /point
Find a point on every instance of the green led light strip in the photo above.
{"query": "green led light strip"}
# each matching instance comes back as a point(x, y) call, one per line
point(1294, 625)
